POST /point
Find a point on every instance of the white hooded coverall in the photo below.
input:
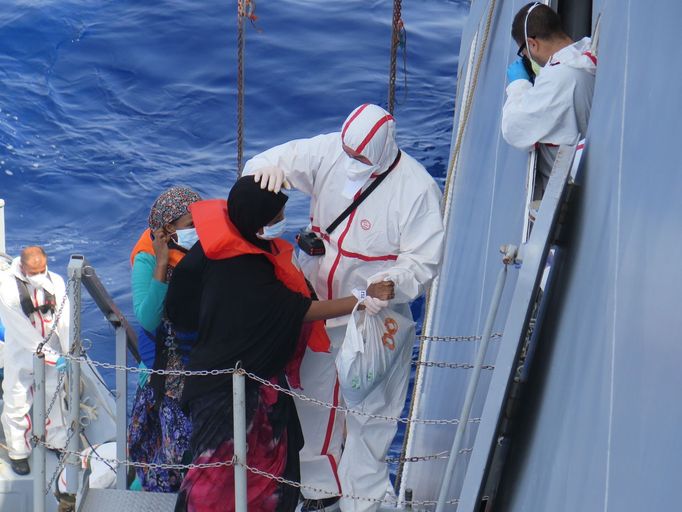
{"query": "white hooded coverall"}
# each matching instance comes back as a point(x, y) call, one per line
point(397, 232)
point(22, 337)
point(555, 109)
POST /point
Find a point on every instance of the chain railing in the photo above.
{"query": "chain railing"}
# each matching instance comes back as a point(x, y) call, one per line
point(234, 462)
point(494, 336)
point(77, 356)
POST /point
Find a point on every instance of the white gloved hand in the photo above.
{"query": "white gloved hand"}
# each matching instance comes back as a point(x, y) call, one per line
point(271, 178)
point(373, 305)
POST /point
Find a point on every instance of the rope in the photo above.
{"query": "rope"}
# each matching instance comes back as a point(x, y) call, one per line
point(468, 102)
point(242, 6)
point(397, 28)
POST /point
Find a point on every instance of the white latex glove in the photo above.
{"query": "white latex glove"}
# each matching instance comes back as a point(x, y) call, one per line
point(271, 178)
point(373, 306)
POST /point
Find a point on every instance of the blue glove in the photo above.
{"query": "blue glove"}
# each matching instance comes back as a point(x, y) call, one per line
point(143, 377)
point(62, 364)
point(517, 71)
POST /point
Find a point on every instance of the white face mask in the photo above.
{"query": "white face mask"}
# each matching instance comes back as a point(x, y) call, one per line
point(38, 280)
point(274, 231)
point(357, 174)
point(187, 237)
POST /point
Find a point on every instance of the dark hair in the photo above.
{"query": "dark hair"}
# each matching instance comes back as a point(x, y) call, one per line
point(543, 23)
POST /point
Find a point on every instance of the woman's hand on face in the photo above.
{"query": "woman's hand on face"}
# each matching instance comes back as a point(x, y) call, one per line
point(160, 244)
point(383, 290)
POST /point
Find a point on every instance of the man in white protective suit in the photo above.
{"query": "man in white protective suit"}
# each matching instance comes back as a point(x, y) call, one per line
point(30, 296)
point(556, 108)
point(395, 233)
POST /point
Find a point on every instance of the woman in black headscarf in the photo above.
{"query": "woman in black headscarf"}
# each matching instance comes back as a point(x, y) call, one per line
point(253, 308)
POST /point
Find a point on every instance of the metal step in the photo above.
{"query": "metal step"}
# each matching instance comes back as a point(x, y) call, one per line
point(114, 500)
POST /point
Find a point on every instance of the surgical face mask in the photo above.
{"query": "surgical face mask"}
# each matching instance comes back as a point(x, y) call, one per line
point(38, 280)
point(274, 231)
point(536, 67)
point(187, 237)
point(357, 174)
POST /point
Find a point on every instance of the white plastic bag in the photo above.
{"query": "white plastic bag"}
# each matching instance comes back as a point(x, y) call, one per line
point(370, 350)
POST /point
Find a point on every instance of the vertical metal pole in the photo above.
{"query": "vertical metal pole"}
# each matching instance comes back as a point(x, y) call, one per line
point(38, 462)
point(239, 410)
point(2, 225)
point(73, 467)
point(471, 389)
point(121, 406)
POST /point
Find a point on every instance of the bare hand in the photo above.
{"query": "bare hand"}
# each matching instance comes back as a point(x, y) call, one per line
point(160, 244)
point(383, 290)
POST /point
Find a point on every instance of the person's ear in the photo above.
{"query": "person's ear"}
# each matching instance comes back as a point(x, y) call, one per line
point(534, 46)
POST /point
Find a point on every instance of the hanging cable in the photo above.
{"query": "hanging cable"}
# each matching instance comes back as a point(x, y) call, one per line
point(245, 9)
point(240, 85)
point(397, 32)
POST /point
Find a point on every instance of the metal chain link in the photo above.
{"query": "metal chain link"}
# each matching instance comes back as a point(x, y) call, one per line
point(393, 502)
point(346, 410)
point(149, 465)
point(420, 458)
point(234, 462)
point(493, 336)
point(62, 456)
point(60, 381)
point(453, 366)
point(56, 318)
point(150, 371)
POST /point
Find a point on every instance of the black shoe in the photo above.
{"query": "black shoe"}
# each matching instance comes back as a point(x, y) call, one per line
point(20, 466)
point(326, 505)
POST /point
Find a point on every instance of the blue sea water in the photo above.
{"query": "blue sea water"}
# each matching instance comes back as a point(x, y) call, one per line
point(105, 103)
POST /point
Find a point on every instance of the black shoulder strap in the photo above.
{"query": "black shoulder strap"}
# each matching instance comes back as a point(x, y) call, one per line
point(27, 303)
point(25, 298)
point(363, 196)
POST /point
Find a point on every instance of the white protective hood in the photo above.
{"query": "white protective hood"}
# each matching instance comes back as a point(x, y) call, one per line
point(369, 131)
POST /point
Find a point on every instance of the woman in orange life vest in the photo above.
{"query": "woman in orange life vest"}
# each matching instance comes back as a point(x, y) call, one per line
point(254, 308)
point(159, 429)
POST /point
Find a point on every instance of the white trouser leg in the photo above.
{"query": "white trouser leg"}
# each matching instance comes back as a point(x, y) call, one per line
point(18, 397)
point(56, 424)
point(323, 428)
point(16, 422)
point(363, 470)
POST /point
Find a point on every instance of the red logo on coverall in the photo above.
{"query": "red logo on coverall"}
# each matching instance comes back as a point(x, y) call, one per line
point(391, 329)
point(365, 224)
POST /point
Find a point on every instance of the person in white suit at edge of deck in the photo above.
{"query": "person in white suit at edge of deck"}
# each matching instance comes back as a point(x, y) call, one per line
point(30, 296)
point(395, 233)
point(556, 108)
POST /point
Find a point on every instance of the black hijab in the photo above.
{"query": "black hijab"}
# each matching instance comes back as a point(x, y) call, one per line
point(250, 208)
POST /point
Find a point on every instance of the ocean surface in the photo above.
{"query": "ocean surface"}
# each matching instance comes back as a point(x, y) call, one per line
point(104, 104)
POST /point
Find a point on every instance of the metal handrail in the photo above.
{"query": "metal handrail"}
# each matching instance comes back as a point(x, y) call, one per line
point(106, 303)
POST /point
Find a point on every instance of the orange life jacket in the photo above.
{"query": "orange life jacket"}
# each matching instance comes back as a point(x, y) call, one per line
point(220, 239)
point(144, 244)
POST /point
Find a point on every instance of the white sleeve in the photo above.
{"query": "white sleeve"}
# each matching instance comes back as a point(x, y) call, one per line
point(299, 159)
point(421, 248)
point(18, 329)
point(540, 112)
